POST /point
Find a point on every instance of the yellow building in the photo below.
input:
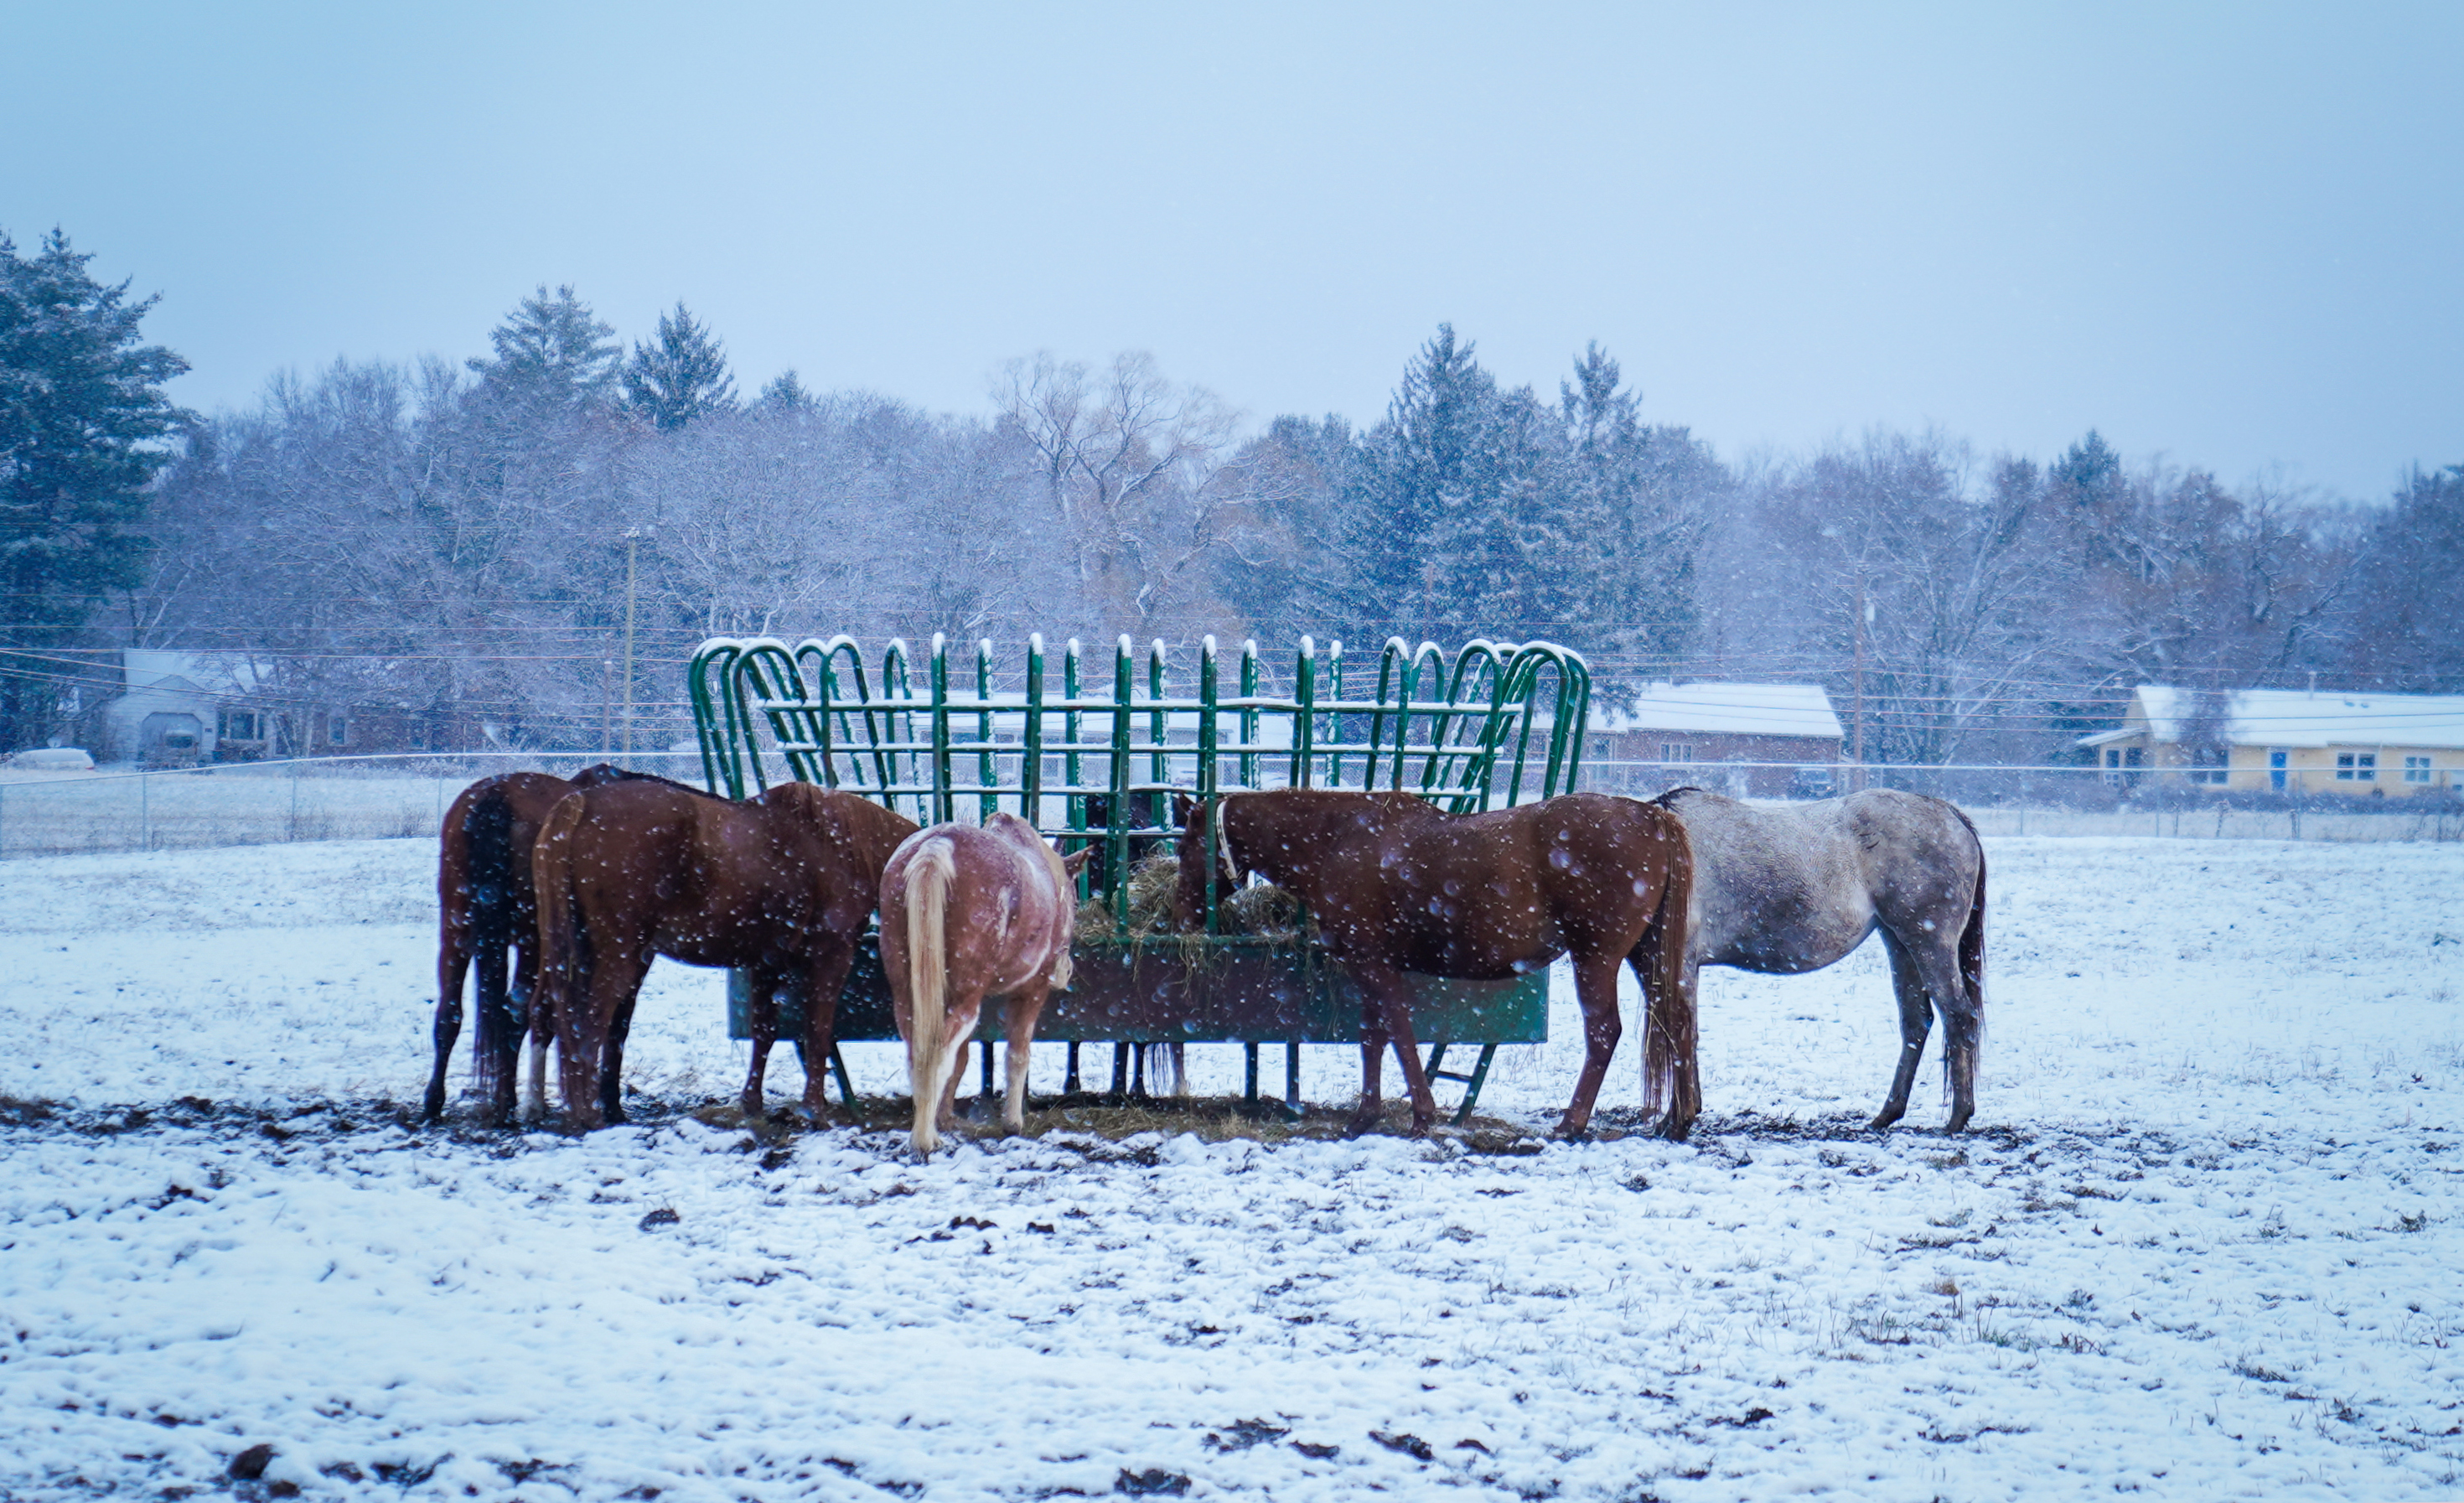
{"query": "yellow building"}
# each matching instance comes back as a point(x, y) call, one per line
point(2288, 740)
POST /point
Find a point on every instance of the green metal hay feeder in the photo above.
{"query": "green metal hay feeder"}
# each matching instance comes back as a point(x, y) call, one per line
point(1097, 769)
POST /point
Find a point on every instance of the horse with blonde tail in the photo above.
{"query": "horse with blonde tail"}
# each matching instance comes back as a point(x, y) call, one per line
point(969, 913)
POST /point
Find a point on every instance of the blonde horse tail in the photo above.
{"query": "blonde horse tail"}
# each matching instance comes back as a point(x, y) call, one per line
point(1670, 1080)
point(929, 877)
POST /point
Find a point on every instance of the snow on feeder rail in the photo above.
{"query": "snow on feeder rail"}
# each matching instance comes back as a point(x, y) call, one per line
point(1488, 726)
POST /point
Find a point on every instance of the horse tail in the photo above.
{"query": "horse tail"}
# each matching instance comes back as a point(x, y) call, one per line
point(1670, 1080)
point(487, 833)
point(929, 879)
point(563, 949)
point(1971, 937)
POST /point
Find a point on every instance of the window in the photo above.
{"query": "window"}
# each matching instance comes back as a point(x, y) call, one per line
point(337, 730)
point(2275, 769)
point(1676, 751)
point(241, 725)
point(2416, 770)
point(2356, 766)
point(2207, 766)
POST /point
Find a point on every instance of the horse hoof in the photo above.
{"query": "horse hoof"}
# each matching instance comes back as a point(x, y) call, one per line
point(1675, 1131)
point(1573, 1134)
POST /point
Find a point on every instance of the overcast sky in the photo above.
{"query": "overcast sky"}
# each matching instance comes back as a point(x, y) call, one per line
point(2228, 233)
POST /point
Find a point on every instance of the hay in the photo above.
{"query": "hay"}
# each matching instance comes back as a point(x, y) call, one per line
point(1263, 910)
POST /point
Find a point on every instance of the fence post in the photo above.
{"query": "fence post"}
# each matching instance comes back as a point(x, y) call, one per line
point(145, 811)
point(291, 831)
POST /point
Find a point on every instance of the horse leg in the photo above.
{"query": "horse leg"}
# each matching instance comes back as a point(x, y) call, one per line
point(1916, 1019)
point(1391, 996)
point(957, 1031)
point(1020, 1023)
point(581, 1032)
point(453, 967)
point(1372, 1066)
point(543, 1032)
point(1936, 963)
point(505, 991)
point(611, 1071)
point(823, 984)
point(761, 1011)
point(1596, 987)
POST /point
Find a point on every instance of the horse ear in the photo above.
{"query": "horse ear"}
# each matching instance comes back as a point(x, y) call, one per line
point(1076, 861)
point(1183, 807)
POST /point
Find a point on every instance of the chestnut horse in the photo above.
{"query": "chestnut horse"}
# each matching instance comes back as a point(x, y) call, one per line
point(781, 886)
point(1793, 889)
point(1396, 884)
point(967, 912)
point(486, 911)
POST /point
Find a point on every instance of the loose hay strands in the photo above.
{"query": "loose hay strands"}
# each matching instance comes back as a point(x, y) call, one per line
point(1262, 911)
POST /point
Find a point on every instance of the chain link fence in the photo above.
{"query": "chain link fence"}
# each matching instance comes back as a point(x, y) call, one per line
point(371, 798)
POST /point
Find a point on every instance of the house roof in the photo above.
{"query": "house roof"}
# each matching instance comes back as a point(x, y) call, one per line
point(2295, 718)
point(1800, 710)
point(187, 673)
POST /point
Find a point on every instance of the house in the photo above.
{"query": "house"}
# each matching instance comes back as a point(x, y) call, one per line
point(1788, 729)
point(172, 709)
point(176, 709)
point(2287, 740)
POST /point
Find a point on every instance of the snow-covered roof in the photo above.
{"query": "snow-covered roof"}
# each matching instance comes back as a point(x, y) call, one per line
point(187, 673)
point(1726, 709)
point(2299, 717)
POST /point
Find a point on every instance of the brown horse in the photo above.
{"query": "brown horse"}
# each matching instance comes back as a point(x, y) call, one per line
point(1398, 885)
point(486, 911)
point(968, 912)
point(780, 886)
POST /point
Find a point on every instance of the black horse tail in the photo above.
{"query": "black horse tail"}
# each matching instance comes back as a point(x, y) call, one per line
point(489, 834)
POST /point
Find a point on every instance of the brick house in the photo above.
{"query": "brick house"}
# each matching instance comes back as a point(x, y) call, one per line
point(1714, 736)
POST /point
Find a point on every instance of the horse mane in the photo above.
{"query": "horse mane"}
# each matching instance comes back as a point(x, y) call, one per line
point(602, 773)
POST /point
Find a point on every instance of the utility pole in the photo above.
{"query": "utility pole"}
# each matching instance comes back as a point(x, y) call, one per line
point(1862, 616)
point(631, 538)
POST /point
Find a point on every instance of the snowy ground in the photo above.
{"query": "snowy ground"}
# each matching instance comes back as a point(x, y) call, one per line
point(2203, 1246)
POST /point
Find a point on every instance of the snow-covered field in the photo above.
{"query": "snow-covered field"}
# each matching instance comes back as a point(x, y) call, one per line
point(2203, 1246)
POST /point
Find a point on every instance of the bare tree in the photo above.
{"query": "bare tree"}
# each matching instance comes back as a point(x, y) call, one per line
point(1140, 475)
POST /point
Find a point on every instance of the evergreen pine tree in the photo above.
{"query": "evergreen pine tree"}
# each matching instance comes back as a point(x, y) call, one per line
point(681, 377)
point(553, 356)
point(1412, 503)
point(786, 394)
point(81, 410)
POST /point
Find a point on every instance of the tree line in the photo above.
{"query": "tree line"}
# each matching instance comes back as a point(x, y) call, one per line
point(466, 543)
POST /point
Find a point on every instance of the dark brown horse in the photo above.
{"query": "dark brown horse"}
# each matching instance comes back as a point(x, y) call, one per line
point(486, 913)
point(781, 886)
point(1396, 885)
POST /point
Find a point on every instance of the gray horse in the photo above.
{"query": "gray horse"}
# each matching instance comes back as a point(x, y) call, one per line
point(1782, 891)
